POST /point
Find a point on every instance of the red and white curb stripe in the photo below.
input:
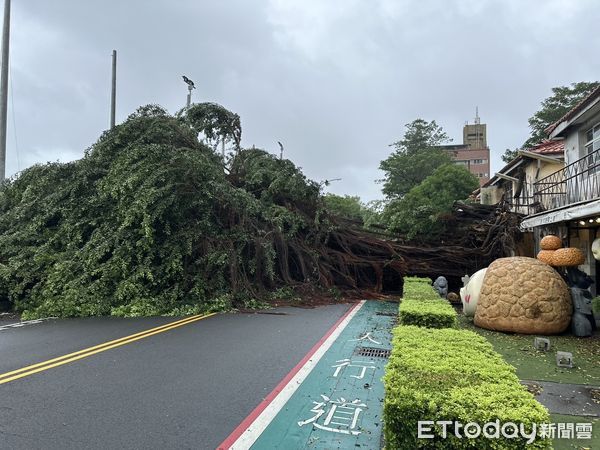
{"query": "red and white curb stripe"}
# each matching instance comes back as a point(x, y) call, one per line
point(257, 421)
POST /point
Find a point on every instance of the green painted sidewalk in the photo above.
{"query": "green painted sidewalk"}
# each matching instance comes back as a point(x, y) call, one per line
point(340, 404)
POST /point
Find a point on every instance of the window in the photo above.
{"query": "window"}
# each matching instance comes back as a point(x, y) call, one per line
point(479, 161)
point(592, 148)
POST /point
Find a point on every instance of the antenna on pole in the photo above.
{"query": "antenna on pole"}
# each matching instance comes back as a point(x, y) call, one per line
point(477, 121)
point(4, 88)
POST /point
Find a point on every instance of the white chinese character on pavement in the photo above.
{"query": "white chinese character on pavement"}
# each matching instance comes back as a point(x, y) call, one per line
point(368, 337)
point(342, 414)
point(547, 430)
point(363, 365)
point(566, 431)
point(583, 430)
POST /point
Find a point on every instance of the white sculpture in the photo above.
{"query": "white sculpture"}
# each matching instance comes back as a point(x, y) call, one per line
point(596, 249)
point(470, 293)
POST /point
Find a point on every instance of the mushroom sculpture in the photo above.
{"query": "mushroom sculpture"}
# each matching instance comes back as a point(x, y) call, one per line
point(523, 295)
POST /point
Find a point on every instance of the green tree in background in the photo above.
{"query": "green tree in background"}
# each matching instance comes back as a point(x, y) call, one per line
point(417, 214)
point(563, 99)
point(509, 155)
point(347, 206)
point(415, 157)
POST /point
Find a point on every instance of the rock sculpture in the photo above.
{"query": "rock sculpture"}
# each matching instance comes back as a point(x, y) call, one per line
point(523, 295)
point(441, 286)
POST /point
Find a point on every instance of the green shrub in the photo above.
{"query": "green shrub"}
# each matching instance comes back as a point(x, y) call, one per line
point(453, 375)
point(422, 306)
point(596, 305)
point(418, 287)
point(427, 313)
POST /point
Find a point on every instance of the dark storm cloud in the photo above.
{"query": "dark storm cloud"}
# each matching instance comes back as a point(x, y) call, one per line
point(335, 80)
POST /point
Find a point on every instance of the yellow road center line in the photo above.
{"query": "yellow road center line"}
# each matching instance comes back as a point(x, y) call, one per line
point(85, 350)
point(55, 362)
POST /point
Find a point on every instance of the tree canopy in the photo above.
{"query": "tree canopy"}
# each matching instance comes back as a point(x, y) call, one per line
point(347, 206)
point(415, 157)
point(419, 213)
point(563, 99)
point(509, 155)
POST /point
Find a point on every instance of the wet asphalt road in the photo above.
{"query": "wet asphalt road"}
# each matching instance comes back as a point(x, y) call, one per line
point(185, 388)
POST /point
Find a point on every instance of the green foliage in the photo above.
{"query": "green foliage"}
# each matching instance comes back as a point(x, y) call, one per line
point(149, 223)
point(509, 155)
point(422, 306)
point(454, 375)
point(216, 124)
point(372, 213)
point(418, 213)
point(274, 181)
point(596, 305)
point(416, 156)
point(348, 207)
point(437, 313)
point(563, 99)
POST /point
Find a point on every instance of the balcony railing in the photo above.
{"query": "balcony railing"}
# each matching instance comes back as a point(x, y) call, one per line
point(575, 183)
point(523, 203)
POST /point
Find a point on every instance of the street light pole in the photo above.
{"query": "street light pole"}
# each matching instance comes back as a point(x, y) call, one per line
point(191, 86)
point(4, 88)
point(189, 96)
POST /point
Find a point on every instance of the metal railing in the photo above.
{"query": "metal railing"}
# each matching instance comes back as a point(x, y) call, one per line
point(575, 183)
point(523, 203)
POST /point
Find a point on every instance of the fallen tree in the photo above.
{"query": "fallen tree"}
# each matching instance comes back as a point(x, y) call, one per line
point(153, 221)
point(474, 236)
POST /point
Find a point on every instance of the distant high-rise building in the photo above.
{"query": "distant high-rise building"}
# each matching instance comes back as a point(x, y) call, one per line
point(474, 153)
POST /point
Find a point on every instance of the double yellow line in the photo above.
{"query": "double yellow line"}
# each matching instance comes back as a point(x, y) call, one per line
point(84, 353)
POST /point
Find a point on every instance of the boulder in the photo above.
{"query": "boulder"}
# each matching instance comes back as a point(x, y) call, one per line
point(523, 295)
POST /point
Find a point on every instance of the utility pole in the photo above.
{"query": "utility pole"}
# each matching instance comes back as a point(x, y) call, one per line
point(4, 88)
point(113, 92)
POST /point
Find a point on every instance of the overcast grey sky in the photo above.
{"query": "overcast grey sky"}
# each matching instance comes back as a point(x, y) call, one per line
point(334, 80)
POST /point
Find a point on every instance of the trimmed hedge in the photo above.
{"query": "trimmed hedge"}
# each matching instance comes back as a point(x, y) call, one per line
point(427, 313)
point(453, 375)
point(422, 306)
point(419, 289)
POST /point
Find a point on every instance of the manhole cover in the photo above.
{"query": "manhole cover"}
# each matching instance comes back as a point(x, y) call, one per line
point(372, 352)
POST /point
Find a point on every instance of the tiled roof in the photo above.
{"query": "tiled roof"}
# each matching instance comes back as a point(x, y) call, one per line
point(578, 107)
point(548, 147)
